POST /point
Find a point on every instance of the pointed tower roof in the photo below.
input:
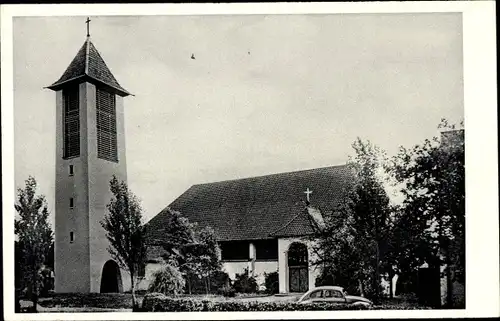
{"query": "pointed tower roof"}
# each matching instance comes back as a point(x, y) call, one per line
point(88, 65)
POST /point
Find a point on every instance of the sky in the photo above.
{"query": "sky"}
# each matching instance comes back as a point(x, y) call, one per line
point(265, 93)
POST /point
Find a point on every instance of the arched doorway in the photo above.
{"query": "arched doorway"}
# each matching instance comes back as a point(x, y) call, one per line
point(111, 280)
point(298, 271)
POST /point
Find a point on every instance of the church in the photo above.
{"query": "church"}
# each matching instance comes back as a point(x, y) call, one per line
point(262, 223)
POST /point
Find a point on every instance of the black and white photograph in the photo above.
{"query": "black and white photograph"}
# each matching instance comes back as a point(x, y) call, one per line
point(245, 159)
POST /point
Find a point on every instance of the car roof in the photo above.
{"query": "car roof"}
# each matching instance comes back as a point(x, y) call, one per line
point(329, 287)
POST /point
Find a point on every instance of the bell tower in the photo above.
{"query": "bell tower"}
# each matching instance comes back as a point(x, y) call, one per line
point(90, 149)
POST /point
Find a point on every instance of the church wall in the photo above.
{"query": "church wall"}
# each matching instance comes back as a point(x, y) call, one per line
point(283, 245)
point(150, 269)
point(126, 284)
point(100, 174)
point(262, 267)
point(71, 258)
point(233, 268)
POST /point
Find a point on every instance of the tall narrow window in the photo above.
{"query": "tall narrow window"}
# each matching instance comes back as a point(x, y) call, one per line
point(71, 123)
point(106, 126)
point(71, 202)
point(71, 237)
point(71, 170)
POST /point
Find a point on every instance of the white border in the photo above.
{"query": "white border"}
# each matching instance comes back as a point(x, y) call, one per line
point(481, 147)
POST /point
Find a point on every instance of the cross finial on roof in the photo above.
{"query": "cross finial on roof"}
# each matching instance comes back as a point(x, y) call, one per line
point(308, 192)
point(88, 23)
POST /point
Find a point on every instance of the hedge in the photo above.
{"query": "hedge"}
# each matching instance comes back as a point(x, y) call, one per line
point(156, 302)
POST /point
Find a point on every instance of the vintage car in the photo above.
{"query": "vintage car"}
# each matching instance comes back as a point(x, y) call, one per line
point(333, 294)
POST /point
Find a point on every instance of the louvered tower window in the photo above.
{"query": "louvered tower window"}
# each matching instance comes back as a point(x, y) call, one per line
point(106, 126)
point(71, 123)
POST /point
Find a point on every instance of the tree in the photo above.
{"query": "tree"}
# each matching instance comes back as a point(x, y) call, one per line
point(371, 209)
point(336, 251)
point(432, 176)
point(354, 241)
point(35, 237)
point(193, 250)
point(178, 234)
point(202, 256)
point(125, 232)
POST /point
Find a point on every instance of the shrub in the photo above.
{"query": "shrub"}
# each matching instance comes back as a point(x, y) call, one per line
point(168, 280)
point(153, 302)
point(227, 291)
point(96, 300)
point(244, 283)
point(195, 285)
point(160, 303)
point(220, 280)
point(272, 282)
point(165, 304)
point(47, 283)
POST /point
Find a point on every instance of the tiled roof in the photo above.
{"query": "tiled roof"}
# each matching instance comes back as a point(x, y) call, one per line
point(154, 253)
point(259, 207)
point(89, 65)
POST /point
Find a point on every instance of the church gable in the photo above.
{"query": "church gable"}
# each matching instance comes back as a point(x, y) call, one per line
point(259, 207)
point(300, 225)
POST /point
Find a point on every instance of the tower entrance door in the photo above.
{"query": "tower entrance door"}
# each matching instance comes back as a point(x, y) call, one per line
point(111, 280)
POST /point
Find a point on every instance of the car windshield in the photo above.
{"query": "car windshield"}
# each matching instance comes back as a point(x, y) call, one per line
point(316, 294)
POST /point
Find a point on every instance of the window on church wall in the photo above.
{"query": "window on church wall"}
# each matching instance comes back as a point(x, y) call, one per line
point(71, 123)
point(266, 249)
point(297, 255)
point(234, 250)
point(106, 125)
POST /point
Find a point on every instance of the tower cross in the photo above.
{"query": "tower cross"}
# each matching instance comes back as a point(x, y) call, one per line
point(308, 192)
point(88, 27)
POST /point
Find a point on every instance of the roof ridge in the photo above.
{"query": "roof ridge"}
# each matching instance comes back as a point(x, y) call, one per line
point(103, 62)
point(275, 174)
point(168, 206)
point(87, 53)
